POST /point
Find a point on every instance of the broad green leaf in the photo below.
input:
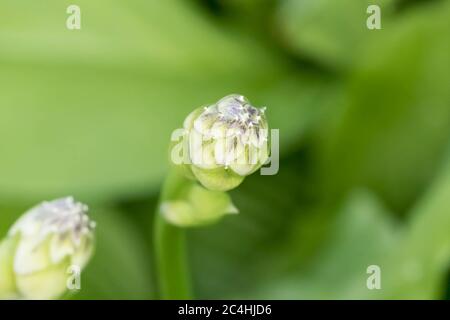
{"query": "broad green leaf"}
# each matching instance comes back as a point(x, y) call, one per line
point(361, 236)
point(395, 128)
point(89, 112)
point(328, 31)
point(413, 257)
point(419, 267)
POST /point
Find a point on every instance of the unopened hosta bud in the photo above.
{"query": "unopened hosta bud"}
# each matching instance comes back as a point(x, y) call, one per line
point(41, 246)
point(192, 205)
point(226, 141)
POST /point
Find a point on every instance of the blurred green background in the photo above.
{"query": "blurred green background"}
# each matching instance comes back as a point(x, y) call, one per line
point(364, 119)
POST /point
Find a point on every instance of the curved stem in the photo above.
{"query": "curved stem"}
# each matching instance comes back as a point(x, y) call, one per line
point(170, 247)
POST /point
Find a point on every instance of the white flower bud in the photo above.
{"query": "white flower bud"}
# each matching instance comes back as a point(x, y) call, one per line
point(40, 247)
point(226, 142)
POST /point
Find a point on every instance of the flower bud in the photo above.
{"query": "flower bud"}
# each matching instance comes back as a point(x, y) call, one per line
point(226, 141)
point(41, 246)
point(193, 206)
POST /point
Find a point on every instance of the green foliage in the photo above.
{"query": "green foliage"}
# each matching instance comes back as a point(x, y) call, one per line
point(90, 113)
point(364, 119)
point(396, 124)
point(121, 267)
point(327, 31)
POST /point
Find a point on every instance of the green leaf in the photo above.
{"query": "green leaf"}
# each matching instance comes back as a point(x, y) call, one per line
point(89, 112)
point(418, 268)
point(361, 236)
point(327, 31)
point(413, 257)
point(395, 128)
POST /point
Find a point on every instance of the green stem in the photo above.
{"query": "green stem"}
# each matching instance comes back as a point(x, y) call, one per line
point(170, 246)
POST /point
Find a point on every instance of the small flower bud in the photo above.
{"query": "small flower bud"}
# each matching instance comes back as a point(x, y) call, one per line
point(41, 246)
point(197, 206)
point(226, 142)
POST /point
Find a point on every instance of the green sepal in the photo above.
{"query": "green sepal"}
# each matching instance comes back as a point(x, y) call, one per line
point(219, 179)
point(189, 204)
